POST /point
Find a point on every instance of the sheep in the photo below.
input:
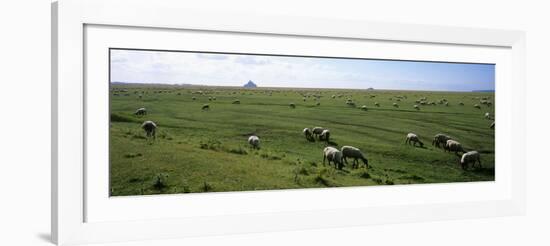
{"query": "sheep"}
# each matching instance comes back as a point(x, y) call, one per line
point(492, 126)
point(194, 98)
point(325, 135)
point(333, 155)
point(470, 157)
point(453, 146)
point(292, 105)
point(356, 154)
point(254, 141)
point(304, 99)
point(416, 107)
point(317, 130)
point(205, 107)
point(237, 101)
point(308, 134)
point(440, 139)
point(318, 104)
point(413, 138)
point(364, 108)
point(376, 104)
point(487, 115)
point(461, 103)
point(141, 111)
point(447, 104)
point(150, 128)
point(477, 106)
point(396, 105)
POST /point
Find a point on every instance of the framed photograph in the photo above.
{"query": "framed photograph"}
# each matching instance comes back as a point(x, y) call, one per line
point(174, 123)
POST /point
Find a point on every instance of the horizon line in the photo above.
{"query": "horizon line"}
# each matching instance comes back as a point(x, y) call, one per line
point(284, 87)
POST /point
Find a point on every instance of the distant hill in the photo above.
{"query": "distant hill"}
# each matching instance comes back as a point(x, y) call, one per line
point(483, 91)
point(250, 84)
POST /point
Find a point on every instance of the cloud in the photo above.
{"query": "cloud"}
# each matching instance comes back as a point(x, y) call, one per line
point(212, 56)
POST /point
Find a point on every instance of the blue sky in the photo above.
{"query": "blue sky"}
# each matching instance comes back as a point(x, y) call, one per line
point(139, 66)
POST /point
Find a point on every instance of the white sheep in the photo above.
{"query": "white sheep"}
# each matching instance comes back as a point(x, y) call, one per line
point(308, 134)
point(141, 111)
point(364, 108)
point(292, 105)
point(470, 157)
point(317, 131)
point(453, 146)
point(333, 155)
point(236, 101)
point(376, 104)
point(487, 115)
point(440, 139)
point(325, 135)
point(356, 154)
point(150, 128)
point(477, 106)
point(396, 105)
point(254, 141)
point(416, 107)
point(205, 107)
point(413, 138)
point(492, 126)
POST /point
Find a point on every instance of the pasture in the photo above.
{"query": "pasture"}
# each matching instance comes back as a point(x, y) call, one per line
point(198, 150)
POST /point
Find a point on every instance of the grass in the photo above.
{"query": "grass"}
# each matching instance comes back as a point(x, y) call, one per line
point(207, 151)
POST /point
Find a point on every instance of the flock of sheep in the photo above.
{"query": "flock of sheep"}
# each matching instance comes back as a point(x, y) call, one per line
point(339, 157)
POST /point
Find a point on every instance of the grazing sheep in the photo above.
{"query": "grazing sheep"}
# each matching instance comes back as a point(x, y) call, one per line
point(461, 103)
point(453, 146)
point(205, 107)
point(470, 157)
point(333, 155)
point(364, 108)
point(194, 98)
point(308, 134)
point(477, 106)
point(317, 130)
point(141, 111)
point(325, 135)
point(356, 154)
point(150, 128)
point(396, 105)
point(376, 104)
point(254, 141)
point(292, 105)
point(440, 139)
point(236, 102)
point(492, 126)
point(413, 138)
point(318, 104)
point(416, 107)
point(447, 104)
point(487, 115)
point(333, 96)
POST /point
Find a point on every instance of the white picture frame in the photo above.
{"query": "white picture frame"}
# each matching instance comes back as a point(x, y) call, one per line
point(72, 221)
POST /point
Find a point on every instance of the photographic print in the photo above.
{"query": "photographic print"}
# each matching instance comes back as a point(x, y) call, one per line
point(193, 122)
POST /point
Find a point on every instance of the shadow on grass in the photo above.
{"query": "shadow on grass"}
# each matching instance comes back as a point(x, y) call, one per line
point(484, 171)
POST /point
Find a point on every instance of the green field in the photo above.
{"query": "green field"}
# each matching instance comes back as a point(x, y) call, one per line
point(207, 151)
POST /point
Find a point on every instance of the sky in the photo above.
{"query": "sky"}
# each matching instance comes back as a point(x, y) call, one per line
point(168, 67)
